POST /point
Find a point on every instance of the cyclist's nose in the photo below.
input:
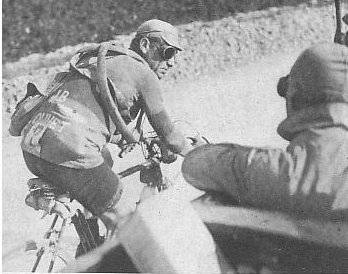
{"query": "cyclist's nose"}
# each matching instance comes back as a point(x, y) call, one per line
point(171, 62)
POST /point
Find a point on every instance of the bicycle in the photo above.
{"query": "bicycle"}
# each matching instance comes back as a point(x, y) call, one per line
point(56, 202)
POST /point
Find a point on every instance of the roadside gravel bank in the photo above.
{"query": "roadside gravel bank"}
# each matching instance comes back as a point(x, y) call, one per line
point(210, 47)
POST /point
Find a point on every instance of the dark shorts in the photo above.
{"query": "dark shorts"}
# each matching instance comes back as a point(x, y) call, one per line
point(97, 189)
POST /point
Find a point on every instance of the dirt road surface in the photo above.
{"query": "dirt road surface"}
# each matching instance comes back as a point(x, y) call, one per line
point(237, 106)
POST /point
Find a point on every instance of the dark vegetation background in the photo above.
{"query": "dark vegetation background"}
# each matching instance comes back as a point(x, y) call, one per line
point(41, 26)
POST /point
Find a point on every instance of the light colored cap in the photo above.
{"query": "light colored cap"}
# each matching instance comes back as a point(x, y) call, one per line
point(165, 30)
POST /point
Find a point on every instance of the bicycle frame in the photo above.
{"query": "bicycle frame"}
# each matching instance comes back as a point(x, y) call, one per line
point(152, 149)
point(78, 219)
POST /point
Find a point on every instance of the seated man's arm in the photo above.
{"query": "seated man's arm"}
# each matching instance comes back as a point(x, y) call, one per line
point(274, 179)
point(253, 176)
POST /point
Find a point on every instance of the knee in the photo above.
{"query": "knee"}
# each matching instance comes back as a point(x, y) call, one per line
point(202, 168)
point(196, 174)
point(107, 156)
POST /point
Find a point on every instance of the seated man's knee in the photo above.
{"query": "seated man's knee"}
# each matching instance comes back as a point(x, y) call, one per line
point(199, 171)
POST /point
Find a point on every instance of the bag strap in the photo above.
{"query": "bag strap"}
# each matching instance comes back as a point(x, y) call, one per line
point(31, 92)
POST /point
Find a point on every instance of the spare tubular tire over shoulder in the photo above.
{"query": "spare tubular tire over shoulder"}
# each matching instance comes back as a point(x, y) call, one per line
point(106, 97)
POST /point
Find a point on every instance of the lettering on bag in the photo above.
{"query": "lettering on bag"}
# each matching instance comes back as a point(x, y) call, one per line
point(59, 97)
point(42, 121)
point(38, 126)
point(48, 120)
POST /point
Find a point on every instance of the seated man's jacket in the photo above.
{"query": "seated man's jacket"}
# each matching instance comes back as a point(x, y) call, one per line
point(310, 178)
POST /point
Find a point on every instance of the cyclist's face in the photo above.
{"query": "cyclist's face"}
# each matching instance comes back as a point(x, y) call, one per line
point(160, 57)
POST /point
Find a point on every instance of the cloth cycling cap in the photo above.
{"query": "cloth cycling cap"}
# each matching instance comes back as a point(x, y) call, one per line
point(165, 30)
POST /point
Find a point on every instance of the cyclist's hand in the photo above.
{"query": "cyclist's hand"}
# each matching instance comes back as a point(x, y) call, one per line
point(198, 141)
point(192, 143)
point(168, 156)
point(161, 152)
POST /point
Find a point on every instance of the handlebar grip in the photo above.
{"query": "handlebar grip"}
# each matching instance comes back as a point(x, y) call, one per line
point(129, 171)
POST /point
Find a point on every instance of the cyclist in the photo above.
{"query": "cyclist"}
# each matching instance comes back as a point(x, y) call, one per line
point(310, 178)
point(65, 141)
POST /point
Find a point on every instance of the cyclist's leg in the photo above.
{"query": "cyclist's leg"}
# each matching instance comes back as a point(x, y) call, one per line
point(94, 228)
point(97, 189)
point(93, 221)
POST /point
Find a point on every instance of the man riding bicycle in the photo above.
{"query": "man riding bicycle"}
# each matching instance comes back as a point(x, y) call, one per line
point(65, 141)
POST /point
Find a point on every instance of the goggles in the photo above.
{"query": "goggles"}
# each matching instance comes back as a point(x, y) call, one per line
point(166, 52)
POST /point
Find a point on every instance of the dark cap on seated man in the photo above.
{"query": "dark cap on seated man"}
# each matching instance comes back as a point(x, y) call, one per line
point(319, 75)
point(317, 81)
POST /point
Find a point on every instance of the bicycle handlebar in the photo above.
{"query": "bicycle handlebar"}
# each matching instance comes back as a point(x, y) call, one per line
point(155, 158)
point(145, 165)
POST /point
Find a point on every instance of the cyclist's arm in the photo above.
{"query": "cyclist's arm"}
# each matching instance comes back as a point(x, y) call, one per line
point(151, 96)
